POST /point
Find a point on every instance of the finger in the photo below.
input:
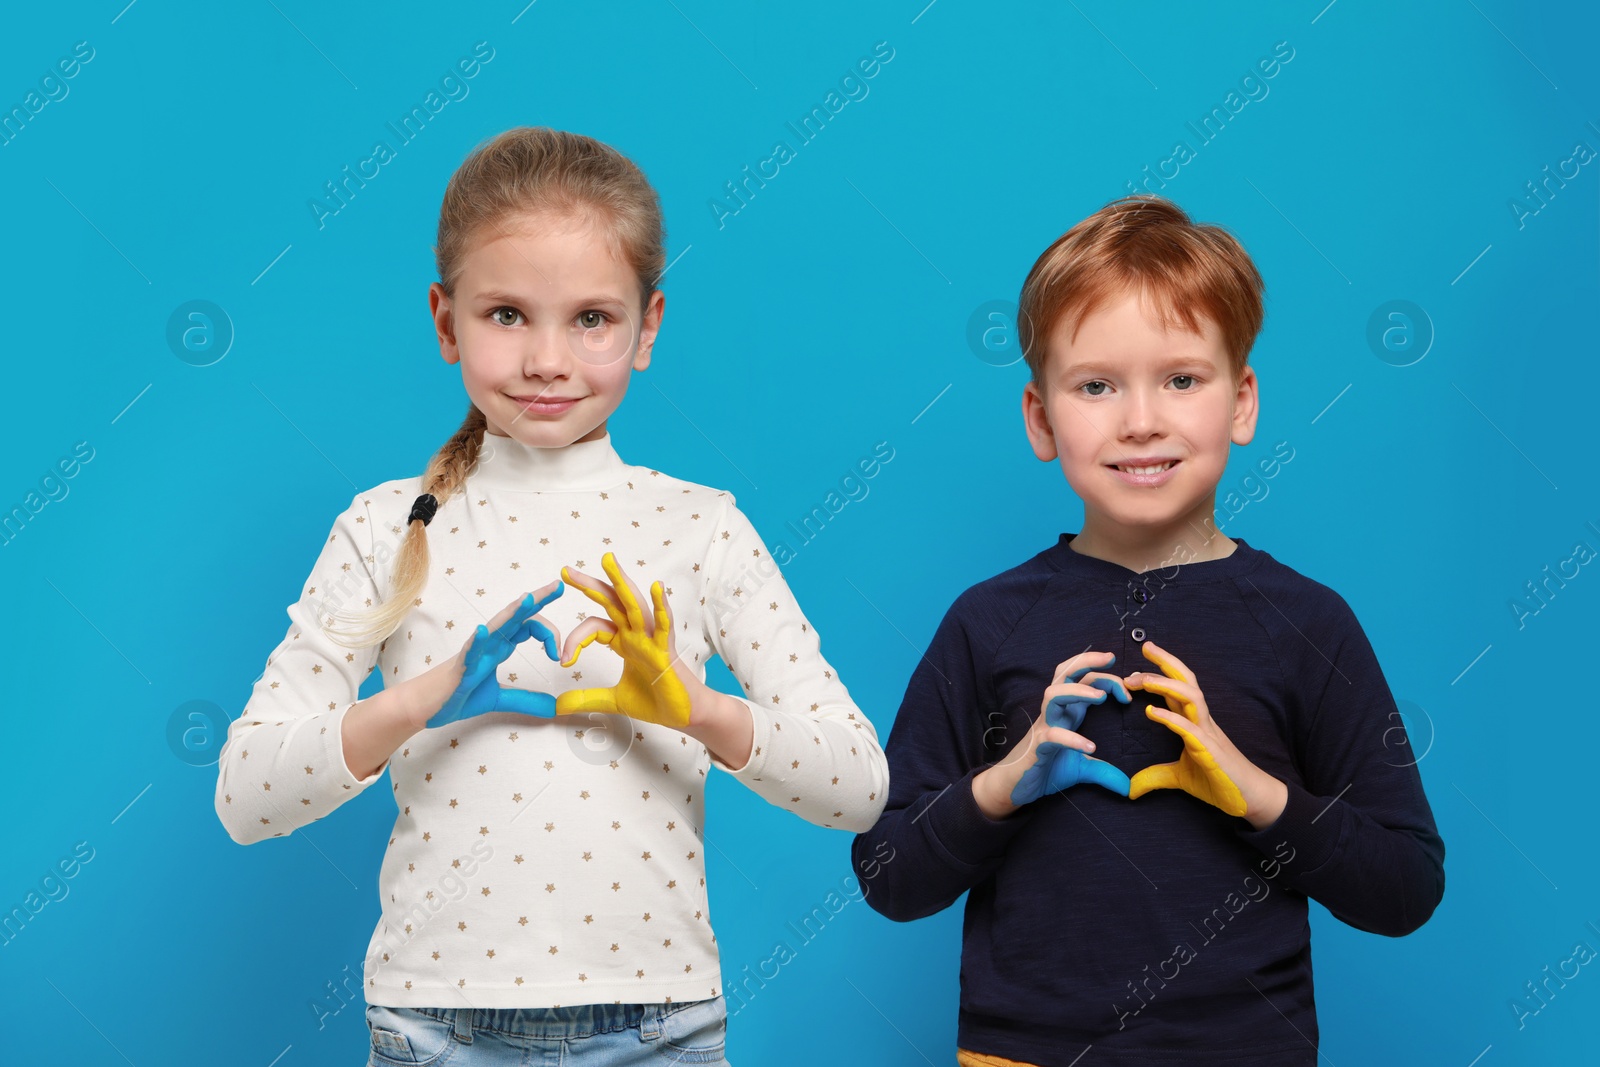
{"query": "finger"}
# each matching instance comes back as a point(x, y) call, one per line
point(1181, 697)
point(1170, 665)
point(547, 593)
point(588, 630)
point(1061, 738)
point(1110, 683)
point(517, 616)
point(1160, 776)
point(511, 616)
point(527, 702)
point(1077, 690)
point(1105, 775)
point(541, 630)
point(580, 701)
point(627, 592)
point(1176, 723)
point(658, 598)
point(597, 591)
point(1195, 746)
point(1068, 707)
point(1070, 670)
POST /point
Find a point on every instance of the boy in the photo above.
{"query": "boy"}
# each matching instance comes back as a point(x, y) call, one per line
point(1170, 927)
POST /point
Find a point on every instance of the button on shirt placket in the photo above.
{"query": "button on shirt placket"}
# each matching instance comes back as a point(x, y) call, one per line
point(1131, 659)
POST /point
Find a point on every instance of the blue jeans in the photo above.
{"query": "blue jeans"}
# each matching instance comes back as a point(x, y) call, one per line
point(583, 1035)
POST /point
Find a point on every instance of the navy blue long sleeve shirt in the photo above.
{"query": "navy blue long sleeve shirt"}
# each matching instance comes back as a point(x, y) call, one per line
point(1161, 924)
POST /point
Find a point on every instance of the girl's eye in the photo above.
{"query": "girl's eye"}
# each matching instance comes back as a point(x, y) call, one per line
point(1090, 386)
point(513, 312)
point(591, 320)
point(1183, 378)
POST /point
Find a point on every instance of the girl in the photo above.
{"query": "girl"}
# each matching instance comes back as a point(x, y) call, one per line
point(544, 884)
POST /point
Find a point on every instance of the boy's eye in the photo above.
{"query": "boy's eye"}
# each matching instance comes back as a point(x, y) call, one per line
point(513, 312)
point(591, 320)
point(1183, 378)
point(1090, 387)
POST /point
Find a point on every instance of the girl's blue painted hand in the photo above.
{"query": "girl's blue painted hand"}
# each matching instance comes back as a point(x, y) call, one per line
point(479, 689)
point(1057, 766)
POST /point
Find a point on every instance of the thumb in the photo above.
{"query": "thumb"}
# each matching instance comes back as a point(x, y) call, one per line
point(1105, 775)
point(527, 702)
point(1159, 776)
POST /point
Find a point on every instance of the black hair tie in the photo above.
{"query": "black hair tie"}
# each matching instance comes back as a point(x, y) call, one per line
point(425, 507)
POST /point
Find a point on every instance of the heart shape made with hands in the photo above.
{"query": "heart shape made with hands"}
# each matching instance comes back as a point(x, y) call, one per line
point(1196, 771)
point(649, 690)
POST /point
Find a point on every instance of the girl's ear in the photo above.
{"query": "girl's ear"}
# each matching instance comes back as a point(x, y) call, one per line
point(443, 322)
point(648, 327)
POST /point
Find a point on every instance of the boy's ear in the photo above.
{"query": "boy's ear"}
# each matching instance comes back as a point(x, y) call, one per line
point(1246, 407)
point(443, 322)
point(1036, 420)
point(649, 326)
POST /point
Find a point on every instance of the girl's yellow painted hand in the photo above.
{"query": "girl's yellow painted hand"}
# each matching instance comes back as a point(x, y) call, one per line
point(1203, 770)
point(649, 689)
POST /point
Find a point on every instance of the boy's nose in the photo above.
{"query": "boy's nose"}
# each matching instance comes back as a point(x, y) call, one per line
point(1138, 414)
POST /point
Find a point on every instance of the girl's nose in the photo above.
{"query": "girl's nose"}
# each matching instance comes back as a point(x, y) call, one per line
point(545, 354)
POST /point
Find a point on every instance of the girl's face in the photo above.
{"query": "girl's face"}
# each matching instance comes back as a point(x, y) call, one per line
point(546, 325)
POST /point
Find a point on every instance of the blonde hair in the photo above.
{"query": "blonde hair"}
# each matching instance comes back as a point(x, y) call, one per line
point(525, 170)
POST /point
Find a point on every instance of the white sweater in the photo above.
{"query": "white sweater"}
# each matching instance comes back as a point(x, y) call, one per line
point(540, 862)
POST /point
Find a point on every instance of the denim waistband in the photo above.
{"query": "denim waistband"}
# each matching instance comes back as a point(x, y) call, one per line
point(577, 1020)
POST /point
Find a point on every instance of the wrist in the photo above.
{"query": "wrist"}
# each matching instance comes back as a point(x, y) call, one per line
point(1265, 802)
point(419, 698)
point(722, 723)
point(992, 793)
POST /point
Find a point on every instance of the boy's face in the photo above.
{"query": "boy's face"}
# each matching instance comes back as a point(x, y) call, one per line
point(1125, 393)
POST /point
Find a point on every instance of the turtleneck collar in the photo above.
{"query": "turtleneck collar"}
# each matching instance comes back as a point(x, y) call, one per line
point(1241, 561)
point(506, 463)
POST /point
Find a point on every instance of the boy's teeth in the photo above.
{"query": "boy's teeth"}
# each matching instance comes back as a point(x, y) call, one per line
point(1146, 470)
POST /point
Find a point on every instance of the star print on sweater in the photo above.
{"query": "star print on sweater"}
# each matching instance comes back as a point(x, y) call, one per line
point(540, 862)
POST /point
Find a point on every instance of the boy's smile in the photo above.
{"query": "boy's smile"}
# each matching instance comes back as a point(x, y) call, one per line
point(547, 328)
point(1141, 418)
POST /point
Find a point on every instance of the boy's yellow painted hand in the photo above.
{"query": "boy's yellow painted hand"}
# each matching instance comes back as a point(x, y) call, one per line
point(1198, 770)
point(649, 689)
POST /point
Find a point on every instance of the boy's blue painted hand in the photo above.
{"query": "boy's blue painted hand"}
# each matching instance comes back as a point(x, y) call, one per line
point(479, 689)
point(1057, 766)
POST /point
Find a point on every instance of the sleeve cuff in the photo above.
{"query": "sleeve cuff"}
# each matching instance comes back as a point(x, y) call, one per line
point(760, 743)
point(1309, 824)
point(333, 755)
point(967, 836)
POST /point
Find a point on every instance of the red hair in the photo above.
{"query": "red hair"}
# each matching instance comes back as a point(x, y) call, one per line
point(1143, 244)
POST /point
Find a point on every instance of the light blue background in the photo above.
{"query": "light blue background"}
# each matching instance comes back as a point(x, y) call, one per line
point(827, 315)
